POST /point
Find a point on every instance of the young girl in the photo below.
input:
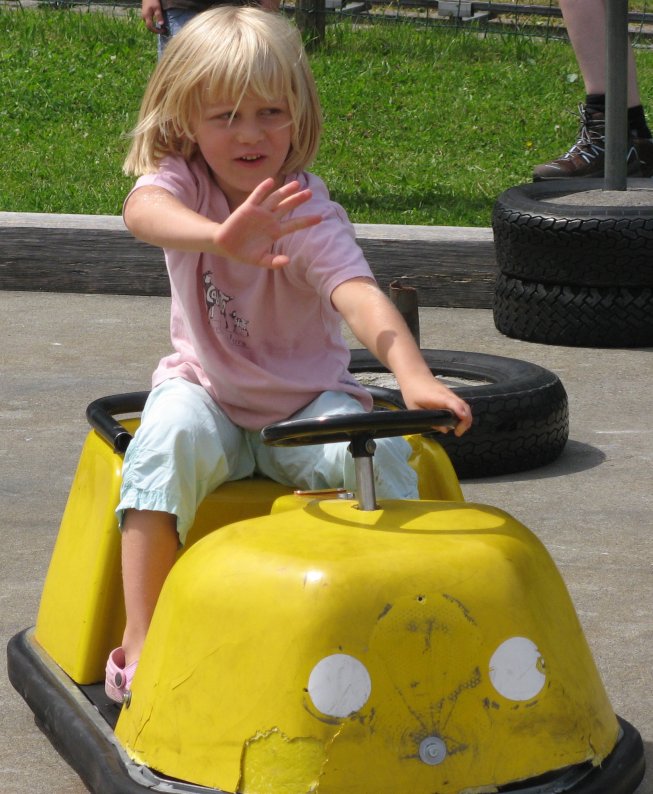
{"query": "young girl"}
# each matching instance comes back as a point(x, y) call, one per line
point(262, 268)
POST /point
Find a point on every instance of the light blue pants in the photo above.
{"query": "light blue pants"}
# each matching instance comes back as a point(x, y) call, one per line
point(186, 447)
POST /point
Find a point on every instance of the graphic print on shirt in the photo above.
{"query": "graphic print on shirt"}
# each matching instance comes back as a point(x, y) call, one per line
point(240, 325)
point(215, 297)
point(229, 324)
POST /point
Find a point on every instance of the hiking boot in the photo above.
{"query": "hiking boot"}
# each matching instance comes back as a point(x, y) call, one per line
point(644, 152)
point(586, 158)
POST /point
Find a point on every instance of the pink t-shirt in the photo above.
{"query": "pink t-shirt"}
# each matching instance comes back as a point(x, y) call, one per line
point(263, 343)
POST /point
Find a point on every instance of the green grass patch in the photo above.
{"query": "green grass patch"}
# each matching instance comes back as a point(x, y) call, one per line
point(422, 125)
point(71, 84)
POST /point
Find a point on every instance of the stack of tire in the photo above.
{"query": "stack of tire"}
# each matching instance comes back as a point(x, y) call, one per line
point(573, 270)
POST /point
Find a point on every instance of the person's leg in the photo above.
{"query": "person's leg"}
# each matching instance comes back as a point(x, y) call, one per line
point(184, 448)
point(586, 27)
point(149, 547)
point(585, 21)
point(585, 24)
point(328, 466)
point(174, 19)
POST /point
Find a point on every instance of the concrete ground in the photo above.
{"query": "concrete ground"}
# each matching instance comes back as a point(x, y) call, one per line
point(593, 508)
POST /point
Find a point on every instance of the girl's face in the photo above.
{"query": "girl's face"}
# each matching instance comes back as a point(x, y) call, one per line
point(246, 145)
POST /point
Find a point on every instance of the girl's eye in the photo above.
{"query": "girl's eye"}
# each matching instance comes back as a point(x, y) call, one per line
point(225, 117)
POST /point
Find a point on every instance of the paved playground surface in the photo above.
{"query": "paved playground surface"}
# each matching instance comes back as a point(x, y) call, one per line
point(592, 508)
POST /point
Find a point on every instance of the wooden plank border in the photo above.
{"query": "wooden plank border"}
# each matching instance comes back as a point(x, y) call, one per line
point(449, 266)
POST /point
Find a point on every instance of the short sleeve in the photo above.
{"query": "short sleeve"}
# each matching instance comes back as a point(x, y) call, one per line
point(326, 255)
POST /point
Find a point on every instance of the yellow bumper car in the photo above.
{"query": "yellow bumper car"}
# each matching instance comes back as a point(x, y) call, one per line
point(324, 643)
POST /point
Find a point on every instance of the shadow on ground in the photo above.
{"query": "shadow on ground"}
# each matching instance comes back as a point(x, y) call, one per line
point(575, 457)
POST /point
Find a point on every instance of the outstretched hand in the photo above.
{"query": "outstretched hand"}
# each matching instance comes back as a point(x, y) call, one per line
point(251, 230)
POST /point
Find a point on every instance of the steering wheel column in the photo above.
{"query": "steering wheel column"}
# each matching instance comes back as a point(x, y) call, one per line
point(362, 448)
point(359, 430)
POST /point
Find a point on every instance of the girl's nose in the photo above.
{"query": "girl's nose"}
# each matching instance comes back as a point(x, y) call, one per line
point(250, 132)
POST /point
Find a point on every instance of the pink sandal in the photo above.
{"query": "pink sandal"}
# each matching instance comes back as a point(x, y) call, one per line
point(119, 677)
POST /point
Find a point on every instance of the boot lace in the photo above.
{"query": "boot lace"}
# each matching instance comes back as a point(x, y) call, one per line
point(591, 138)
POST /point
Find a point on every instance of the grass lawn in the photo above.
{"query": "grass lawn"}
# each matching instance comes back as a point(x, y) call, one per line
point(422, 125)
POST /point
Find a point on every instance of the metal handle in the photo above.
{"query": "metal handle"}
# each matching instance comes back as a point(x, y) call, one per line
point(100, 414)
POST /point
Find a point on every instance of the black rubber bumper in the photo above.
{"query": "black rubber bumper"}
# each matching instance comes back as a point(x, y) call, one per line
point(61, 712)
point(83, 737)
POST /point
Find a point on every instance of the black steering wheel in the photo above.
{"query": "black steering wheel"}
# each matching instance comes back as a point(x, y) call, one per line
point(358, 428)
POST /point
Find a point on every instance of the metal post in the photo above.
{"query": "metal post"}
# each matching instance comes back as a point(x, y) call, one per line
point(405, 299)
point(616, 95)
point(365, 491)
point(310, 17)
point(362, 449)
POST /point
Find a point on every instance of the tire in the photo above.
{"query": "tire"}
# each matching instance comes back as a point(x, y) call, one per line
point(520, 410)
point(573, 316)
point(540, 235)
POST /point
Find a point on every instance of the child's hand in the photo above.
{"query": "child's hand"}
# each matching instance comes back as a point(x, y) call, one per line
point(251, 230)
point(433, 395)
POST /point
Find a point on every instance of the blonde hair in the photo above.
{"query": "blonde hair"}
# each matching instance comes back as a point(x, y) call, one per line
point(221, 55)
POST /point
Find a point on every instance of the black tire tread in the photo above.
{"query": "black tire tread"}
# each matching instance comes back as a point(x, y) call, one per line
point(573, 316)
point(556, 243)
